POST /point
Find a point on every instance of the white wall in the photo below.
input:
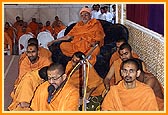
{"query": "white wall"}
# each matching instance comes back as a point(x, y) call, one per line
point(43, 12)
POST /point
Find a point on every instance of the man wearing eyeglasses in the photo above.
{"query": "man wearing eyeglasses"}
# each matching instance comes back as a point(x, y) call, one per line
point(56, 94)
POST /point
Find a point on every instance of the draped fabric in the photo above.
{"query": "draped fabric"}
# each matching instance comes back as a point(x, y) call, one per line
point(156, 18)
point(148, 15)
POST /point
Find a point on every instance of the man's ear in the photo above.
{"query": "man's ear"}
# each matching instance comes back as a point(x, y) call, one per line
point(121, 73)
point(138, 73)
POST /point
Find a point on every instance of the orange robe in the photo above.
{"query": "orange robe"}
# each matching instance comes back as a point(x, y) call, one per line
point(117, 64)
point(116, 56)
point(84, 35)
point(27, 66)
point(20, 32)
point(10, 32)
point(66, 99)
point(16, 24)
point(117, 76)
point(57, 29)
point(8, 41)
point(43, 52)
point(140, 98)
point(49, 28)
point(34, 27)
point(25, 90)
point(94, 80)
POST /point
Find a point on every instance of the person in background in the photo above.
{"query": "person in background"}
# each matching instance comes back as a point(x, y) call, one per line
point(114, 13)
point(8, 45)
point(95, 11)
point(108, 14)
point(34, 26)
point(102, 15)
point(115, 55)
point(48, 27)
point(17, 22)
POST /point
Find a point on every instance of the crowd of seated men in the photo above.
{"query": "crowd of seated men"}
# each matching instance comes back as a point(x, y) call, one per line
point(67, 77)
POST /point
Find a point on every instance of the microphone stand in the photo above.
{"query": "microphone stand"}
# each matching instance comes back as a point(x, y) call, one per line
point(84, 75)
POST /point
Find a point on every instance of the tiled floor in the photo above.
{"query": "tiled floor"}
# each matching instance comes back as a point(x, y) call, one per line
point(10, 74)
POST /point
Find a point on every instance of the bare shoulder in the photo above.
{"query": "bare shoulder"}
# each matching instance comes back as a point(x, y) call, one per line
point(150, 79)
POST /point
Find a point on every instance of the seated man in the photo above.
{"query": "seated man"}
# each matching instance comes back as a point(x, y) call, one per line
point(26, 88)
point(31, 62)
point(94, 83)
point(56, 94)
point(84, 35)
point(153, 82)
point(130, 94)
point(8, 45)
point(113, 76)
point(115, 55)
point(43, 52)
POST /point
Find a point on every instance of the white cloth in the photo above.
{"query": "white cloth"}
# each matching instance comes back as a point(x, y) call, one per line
point(102, 16)
point(109, 16)
point(95, 14)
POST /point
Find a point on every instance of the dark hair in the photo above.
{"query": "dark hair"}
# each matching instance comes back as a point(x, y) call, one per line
point(32, 44)
point(125, 45)
point(102, 8)
point(130, 61)
point(33, 40)
point(106, 7)
point(43, 73)
point(79, 55)
point(55, 66)
point(121, 39)
point(139, 61)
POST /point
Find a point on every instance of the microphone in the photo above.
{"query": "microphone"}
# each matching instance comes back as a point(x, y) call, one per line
point(51, 89)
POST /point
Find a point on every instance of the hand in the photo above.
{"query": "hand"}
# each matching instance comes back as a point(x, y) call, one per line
point(70, 38)
point(107, 87)
point(93, 44)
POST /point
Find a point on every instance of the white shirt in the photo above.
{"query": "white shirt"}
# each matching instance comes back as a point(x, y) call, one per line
point(109, 16)
point(102, 16)
point(95, 14)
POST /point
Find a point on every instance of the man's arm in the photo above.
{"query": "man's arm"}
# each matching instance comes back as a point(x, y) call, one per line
point(108, 77)
point(64, 38)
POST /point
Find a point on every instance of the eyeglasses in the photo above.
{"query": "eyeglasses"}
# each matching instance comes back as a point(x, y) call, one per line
point(55, 78)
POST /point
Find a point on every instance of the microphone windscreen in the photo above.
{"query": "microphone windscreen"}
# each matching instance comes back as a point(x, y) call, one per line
point(51, 89)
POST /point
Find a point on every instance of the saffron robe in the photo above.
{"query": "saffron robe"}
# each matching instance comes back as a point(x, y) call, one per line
point(27, 66)
point(140, 98)
point(66, 99)
point(84, 36)
point(25, 90)
point(94, 80)
point(116, 56)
